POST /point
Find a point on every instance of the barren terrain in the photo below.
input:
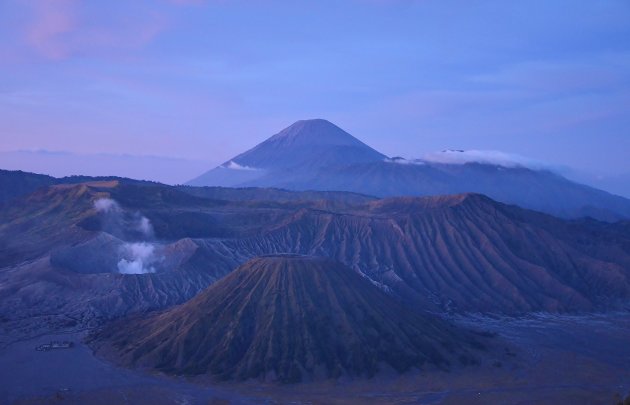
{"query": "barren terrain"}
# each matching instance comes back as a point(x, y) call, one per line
point(552, 359)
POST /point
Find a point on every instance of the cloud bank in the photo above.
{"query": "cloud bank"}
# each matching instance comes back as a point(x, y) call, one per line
point(490, 157)
point(235, 166)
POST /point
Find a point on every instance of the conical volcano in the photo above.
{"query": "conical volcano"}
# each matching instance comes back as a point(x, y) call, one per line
point(318, 155)
point(308, 142)
point(287, 319)
point(303, 147)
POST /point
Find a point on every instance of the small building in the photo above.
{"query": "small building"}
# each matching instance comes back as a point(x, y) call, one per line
point(55, 344)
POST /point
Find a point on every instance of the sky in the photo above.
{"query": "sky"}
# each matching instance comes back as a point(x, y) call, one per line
point(205, 80)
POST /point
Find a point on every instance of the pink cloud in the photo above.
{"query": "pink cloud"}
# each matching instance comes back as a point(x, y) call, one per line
point(187, 2)
point(52, 19)
point(59, 29)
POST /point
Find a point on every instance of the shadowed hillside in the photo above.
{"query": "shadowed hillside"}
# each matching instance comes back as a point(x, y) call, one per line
point(288, 318)
point(60, 255)
point(466, 253)
point(17, 183)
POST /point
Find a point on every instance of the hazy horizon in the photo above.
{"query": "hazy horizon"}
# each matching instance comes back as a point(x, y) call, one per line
point(173, 171)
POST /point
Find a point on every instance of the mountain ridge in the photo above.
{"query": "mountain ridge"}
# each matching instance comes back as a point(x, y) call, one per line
point(461, 254)
point(358, 168)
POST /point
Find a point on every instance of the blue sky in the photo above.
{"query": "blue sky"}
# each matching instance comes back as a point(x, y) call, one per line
point(205, 80)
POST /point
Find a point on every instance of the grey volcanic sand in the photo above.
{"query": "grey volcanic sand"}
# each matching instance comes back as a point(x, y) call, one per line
point(555, 360)
point(559, 359)
point(68, 373)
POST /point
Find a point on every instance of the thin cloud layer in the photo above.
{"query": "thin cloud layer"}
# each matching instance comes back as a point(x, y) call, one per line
point(61, 29)
point(491, 157)
point(235, 166)
point(51, 21)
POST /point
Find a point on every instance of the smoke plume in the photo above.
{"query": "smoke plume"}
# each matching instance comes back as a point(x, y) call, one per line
point(106, 205)
point(143, 225)
point(137, 257)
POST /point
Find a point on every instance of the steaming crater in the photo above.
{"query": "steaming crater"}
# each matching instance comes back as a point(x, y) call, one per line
point(138, 258)
point(112, 218)
point(124, 243)
point(107, 254)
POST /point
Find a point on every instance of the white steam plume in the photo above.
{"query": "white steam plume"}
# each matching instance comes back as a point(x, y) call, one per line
point(138, 258)
point(135, 257)
point(143, 225)
point(106, 205)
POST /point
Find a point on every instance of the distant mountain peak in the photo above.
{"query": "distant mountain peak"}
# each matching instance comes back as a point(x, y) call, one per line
point(303, 146)
point(312, 123)
point(314, 132)
point(308, 143)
